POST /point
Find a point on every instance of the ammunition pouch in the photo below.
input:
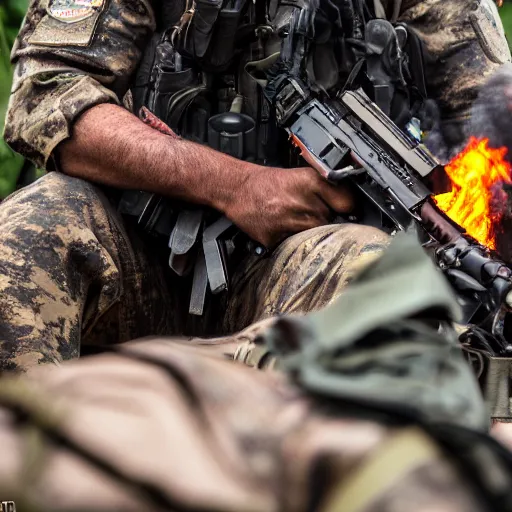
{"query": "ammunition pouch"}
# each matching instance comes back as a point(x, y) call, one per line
point(494, 374)
point(169, 85)
point(202, 243)
point(391, 70)
point(212, 39)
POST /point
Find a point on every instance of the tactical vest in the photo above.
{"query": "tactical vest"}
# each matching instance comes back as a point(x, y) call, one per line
point(194, 69)
point(203, 74)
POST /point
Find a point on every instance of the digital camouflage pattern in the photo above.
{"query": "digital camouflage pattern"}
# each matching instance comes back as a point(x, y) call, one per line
point(51, 90)
point(467, 44)
point(70, 271)
point(217, 436)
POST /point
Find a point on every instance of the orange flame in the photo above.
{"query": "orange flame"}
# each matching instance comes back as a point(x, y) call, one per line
point(477, 175)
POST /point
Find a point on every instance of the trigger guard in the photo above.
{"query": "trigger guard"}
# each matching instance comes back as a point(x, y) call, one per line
point(341, 174)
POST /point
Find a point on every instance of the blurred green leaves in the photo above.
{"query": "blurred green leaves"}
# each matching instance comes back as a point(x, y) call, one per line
point(506, 17)
point(11, 15)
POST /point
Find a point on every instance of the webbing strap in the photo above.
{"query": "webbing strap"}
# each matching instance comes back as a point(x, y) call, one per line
point(183, 22)
point(400, 454)
point(255, 356)
point(397, 6)
point(380, 11)
point(256, 69)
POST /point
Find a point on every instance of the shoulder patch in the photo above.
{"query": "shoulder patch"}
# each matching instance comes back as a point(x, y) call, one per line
point(72, 11)
point(489, 30)
point(68, 23)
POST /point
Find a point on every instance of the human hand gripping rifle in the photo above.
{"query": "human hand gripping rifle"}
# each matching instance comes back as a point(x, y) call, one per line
point(389, 168)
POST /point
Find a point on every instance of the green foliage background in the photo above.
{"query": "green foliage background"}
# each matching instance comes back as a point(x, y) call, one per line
point(11, 15)
point(506, 16)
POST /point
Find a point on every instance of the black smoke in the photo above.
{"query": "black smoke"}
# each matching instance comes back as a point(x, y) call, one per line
point(491, 115)
point(491, 118)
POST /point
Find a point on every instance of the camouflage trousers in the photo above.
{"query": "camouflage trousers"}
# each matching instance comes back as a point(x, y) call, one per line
point(73, 276)
point(171, 425)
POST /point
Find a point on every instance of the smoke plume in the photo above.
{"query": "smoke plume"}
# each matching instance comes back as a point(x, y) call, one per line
point(491, 118)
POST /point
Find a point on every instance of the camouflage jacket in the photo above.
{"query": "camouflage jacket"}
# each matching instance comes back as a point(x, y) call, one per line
point(87, 52)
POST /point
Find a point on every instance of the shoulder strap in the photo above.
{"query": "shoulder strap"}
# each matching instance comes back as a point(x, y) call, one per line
point(416, 52)
point(399, 456)
point(379, 10)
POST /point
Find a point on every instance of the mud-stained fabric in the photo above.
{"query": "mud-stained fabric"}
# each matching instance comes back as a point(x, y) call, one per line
point(467, 44)
point(66, 262)
point(57, 77)
point(306, 272)
point(72, 276)
point(185, 430)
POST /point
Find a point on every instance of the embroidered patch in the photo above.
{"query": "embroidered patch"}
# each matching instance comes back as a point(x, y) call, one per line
point(68, 23)
point(489, 29)
point(72, 11)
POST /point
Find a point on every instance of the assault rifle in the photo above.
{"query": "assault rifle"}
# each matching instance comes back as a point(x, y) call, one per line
point(351, 138)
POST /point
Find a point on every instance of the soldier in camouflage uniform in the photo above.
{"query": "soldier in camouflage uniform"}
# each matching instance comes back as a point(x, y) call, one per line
point(74, 274)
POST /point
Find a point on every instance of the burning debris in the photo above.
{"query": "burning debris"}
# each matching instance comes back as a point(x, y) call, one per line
point(477, 197)
point(480, 184)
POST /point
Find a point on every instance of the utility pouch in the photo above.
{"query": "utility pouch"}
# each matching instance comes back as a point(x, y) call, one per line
point(187, 111)
point(223, 45)
point(220, 243)
point(173, 91)
point(167, 84)
point(212, 37)
point(205, 17)
point(144, 85)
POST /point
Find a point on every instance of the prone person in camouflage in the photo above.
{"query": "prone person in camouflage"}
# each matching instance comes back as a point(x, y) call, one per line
point(73, 273)
point(375, 410)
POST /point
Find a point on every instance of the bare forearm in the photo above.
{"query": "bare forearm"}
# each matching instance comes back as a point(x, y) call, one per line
point(112, 147)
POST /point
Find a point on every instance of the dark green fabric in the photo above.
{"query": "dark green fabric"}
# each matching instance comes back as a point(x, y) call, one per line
point(376, 347)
